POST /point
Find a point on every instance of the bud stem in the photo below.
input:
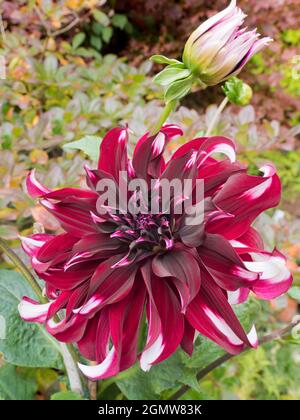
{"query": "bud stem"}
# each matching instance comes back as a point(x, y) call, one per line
point(216, 117)
point(169, 107)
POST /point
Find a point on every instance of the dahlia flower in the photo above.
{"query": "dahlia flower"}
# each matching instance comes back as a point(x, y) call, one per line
point(219, 48)
point(136, 286)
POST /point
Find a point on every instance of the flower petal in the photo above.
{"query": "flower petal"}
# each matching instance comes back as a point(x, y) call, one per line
point(34, 187)
point(33, 311)
point(113, 152)
point(181, 265)
point(224, 264)
point(211, 314)
point(245, 197)
point(275, 278)
point(166, 323)
point(147, 158)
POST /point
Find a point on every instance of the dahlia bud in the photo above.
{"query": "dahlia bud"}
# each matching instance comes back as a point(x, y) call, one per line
point(237, 91)
point(219, 48)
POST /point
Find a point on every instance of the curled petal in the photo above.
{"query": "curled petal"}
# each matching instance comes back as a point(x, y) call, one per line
point(275, 278)
point(33, 311)
point(67, 331)
point(109, 367)
point(206, 146)
point(211, 314)
point(34, 187)
point(33, 243)
point(238, 296)
point(224, 264)
point(245, 197)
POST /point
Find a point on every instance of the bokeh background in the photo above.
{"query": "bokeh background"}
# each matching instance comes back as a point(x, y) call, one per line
point(75, 68)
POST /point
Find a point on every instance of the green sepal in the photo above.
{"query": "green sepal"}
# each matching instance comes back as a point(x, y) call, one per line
point(179, 89)
point(172, 73)
point(161, 59)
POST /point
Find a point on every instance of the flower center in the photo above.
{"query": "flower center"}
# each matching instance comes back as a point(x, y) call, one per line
point(147, 232)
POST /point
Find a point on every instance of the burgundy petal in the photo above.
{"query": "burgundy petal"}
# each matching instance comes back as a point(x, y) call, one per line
point(147, 159)
point(224, 264)
point(245, 197)
point(113, 152)
point(211, 314)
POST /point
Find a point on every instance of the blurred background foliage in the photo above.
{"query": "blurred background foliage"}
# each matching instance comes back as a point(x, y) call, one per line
point(76, 68)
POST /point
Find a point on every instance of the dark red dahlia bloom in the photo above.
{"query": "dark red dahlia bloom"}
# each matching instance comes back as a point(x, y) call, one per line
point(108, 270)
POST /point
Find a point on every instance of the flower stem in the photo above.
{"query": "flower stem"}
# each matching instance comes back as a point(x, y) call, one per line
point(216, 117)
point(67, 350)
point(169, 107)
point(23, 269)
point(218, 362)
point(71, 369)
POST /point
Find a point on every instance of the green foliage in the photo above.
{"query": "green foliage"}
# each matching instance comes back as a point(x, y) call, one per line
point(24, 344)
point(291, 76)
point(70, 100)
point(16, 383)
point(294, 293)
point(66, 395)
point(101, 30)
point(263, 375)
point(291, 36)
point(159, 381)
point(89, 145)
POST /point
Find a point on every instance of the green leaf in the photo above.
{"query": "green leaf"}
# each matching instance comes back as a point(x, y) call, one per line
point(66, 395)
point(161, 59)
point(119, 21)
point(138, 385)
point(16, 384)
point(107, 34)
point(97, 28)
point(178, 89)
point(171, 73)
point(294, 293)
point(25, 344)
point(78, 40)
point(101, 17)
point(96, 42)
point(89, 145)
point(50, 65)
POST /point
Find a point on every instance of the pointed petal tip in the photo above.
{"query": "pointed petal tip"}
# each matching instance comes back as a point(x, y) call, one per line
point(33, 311)
point(34, 187)
point(252, 337)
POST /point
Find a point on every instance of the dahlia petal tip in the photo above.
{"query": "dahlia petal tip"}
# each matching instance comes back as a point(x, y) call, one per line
point(151, 354)
point(34, 187)
point(89, 306)
point(108, 367)
point(268, 170)
point(252, 337)
point(33, 311)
